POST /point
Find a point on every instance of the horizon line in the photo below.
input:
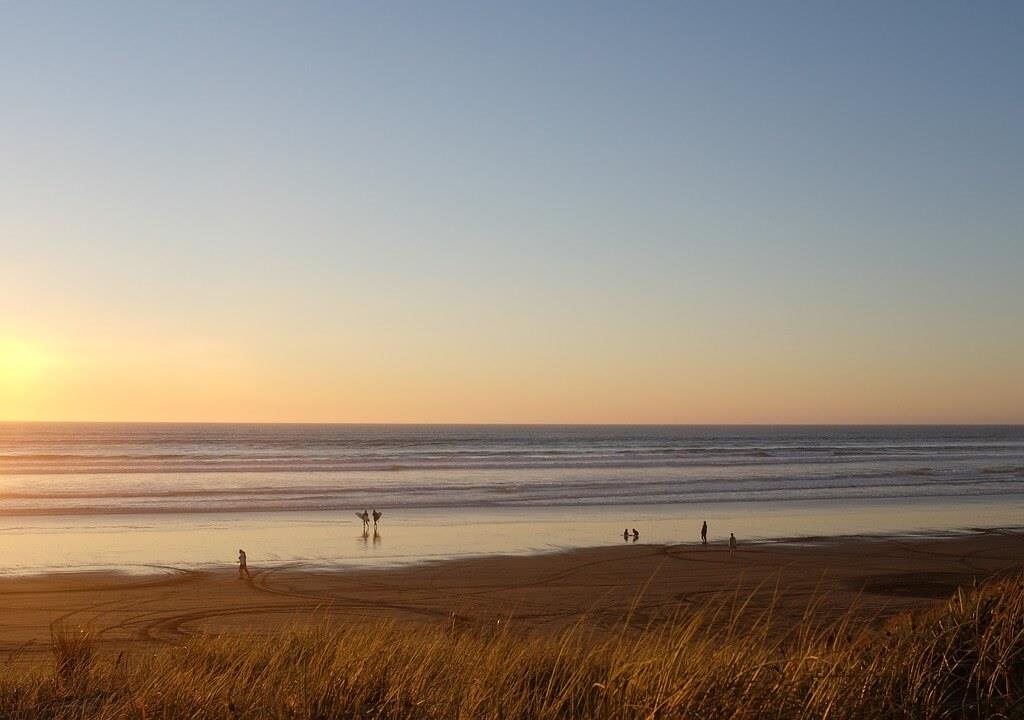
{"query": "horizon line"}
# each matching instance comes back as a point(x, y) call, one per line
point(509, 424)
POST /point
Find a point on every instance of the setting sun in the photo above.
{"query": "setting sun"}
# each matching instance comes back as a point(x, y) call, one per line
point(21, 361)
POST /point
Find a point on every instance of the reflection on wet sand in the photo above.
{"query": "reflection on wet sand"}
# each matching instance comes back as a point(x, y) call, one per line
point(132, 543)
point(366, 536)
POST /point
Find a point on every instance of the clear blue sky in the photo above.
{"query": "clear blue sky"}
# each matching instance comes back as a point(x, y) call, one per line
point(534, 211)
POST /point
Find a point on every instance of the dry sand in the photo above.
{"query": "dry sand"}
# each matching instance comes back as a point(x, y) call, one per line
point(879, 576)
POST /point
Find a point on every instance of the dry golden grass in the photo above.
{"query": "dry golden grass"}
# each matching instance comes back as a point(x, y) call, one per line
point(964, 659)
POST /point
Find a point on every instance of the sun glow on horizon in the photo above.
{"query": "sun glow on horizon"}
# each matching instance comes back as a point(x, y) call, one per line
point(21, 362)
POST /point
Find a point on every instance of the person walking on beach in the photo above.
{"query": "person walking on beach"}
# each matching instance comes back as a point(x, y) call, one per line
point(376, 517)
point(242, 566)
point(732, 546)
point(704, 533)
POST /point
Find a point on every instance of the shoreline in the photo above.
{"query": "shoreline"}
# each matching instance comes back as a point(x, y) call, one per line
point(875, 577)
point(809, 542)
point(154, 570)
point(334, 539)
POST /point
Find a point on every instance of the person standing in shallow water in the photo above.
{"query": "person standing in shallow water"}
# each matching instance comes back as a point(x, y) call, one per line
point(704, 533)
point(242, 566)
point(732, 545)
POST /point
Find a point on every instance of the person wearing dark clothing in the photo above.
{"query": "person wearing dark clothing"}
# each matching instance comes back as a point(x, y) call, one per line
point(242, 566)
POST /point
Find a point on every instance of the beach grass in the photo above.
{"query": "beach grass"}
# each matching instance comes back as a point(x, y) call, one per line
point(962, 659)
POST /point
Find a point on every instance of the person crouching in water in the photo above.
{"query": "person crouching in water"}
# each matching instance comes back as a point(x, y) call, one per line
point(242, 566)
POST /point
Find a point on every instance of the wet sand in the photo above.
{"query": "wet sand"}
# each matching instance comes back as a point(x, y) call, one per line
point(880, 577)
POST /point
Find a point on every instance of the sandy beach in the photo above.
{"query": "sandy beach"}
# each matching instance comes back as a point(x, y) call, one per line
point(879, 577)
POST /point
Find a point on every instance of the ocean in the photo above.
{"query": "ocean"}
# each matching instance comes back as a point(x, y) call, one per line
point(115, 490)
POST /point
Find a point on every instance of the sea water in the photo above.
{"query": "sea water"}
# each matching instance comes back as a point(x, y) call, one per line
point(134, 496)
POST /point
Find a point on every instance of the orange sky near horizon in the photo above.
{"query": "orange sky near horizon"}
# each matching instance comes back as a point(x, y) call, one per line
point(580, 382)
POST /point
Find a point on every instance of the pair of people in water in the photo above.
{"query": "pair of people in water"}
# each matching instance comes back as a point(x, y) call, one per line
point(626, 534)
point(365, 517)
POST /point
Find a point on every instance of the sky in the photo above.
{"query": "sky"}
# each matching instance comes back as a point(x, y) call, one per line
point(736, 212)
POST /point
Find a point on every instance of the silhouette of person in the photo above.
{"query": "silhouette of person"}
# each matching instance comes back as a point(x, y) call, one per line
point(636, 535)
point(242, 566)
point(625, 534)
point(732, 545)
point(376, 517)
point(704, 533)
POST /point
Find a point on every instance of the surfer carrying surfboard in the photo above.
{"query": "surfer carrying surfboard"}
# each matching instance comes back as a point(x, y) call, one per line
point(365, 517)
